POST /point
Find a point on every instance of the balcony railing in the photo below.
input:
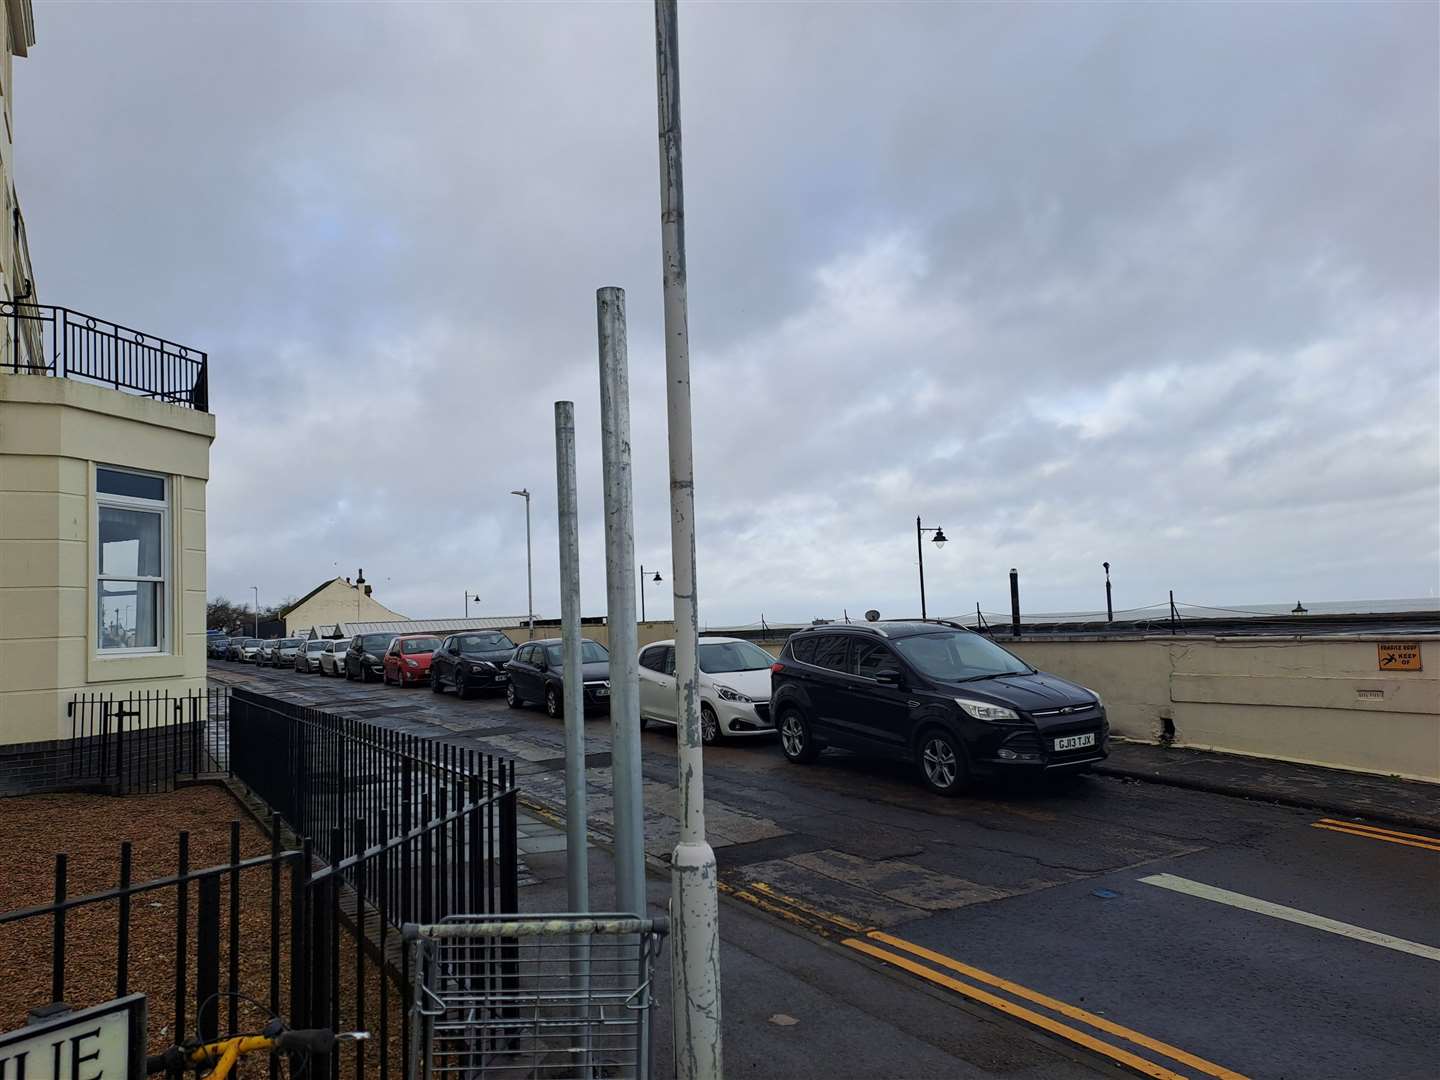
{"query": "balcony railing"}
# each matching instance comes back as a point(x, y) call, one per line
point(46, 340)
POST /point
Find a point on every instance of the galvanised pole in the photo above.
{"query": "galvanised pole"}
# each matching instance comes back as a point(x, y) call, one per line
point(524, 493)
point(695, 945)
point(577, 871)
point(920, 550)
point(620, 594)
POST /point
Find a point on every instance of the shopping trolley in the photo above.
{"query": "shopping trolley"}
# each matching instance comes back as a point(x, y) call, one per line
point(545, 998)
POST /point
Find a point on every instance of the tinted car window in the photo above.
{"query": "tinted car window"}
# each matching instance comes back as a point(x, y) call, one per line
point(718, 657)
point(868, 657)
point(376, 643)
point(803, 649)
point(830, 652)
point(653, 659)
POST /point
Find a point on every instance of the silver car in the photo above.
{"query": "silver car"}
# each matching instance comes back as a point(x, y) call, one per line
point(307, 657)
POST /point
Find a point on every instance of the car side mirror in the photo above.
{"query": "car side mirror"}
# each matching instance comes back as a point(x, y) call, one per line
point(889, 678)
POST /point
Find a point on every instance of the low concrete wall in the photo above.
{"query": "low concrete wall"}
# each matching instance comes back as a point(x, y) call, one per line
point(1321, 701)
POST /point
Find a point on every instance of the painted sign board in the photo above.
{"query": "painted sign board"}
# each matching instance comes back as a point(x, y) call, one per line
point(106, 1042)
point(1399, 656)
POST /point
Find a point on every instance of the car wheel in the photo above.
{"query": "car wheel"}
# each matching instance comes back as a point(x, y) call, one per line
point(553, 708)
point(710, 733)
point(795, 738)
point(513, 699)
point(435, 683)
point(365, 675)
point(461, 691)
point(942, 763)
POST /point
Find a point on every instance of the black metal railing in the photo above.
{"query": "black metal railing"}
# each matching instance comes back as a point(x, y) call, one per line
point(49, 340)
point(145, 740)
point(296, 924)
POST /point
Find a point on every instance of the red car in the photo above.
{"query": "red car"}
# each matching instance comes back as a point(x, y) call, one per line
point(407, 661)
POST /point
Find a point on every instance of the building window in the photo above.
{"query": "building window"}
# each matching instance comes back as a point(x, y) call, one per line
point(133, 571)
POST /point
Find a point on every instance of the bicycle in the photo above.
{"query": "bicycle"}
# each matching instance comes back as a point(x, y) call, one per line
point(223, 1054)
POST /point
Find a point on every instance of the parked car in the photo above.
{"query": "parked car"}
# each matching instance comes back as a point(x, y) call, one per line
point(407, 660)
point(307, 657)
point(537, 671)
point(215, 647)
point(734, 687)
point(949, 700)
point(474, 661)
point(332, 657)
point(280, 652)
point(242, 650)
point(364, 659)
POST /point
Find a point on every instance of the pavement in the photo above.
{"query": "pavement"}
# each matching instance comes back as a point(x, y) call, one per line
point(1160, 926)
point(1388, 799)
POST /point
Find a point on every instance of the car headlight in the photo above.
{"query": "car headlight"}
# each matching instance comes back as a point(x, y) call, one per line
point(724, 693)
point(477, 666)
point(410, 663)
point(983, 710)
point(1099, 701)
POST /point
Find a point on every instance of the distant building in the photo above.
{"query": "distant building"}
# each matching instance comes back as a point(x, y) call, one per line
point(335, 601)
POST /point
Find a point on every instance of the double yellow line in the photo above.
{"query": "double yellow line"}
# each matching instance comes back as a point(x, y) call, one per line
point(1373, 832)
point(1002, 992)
point(981, 986)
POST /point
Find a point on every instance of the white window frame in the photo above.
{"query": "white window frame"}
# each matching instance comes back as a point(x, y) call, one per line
point(162, 603)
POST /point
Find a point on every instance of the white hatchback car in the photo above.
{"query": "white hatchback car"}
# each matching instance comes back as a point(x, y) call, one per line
point(734, 687)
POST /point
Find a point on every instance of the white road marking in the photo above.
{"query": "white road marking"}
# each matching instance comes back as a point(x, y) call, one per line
point(1289, 914)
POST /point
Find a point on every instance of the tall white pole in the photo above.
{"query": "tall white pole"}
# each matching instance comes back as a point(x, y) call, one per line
point(577, 871)
point(620, 594)
point(256, 588)
point(695, 945)
point(529, 577)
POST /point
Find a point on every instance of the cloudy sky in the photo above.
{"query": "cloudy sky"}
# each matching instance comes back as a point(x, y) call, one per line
point(1148, 284)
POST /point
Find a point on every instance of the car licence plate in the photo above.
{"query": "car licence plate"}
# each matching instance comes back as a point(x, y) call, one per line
point(1075, 742)
point(602, 691)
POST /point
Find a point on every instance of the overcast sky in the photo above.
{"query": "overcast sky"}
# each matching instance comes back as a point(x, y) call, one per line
point(1148, 284)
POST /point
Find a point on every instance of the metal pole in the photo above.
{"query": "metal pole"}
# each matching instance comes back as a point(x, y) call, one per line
point(642, 592)
point(1109, 607)
point(1015, 602)
point(1172, 611)
point(695, 945)
point(620, 593)
point(577, 872)
point(920, 550)
point(257, 609)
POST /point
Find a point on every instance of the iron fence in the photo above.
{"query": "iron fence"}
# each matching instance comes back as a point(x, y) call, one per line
point(310, 929)
point(144, 740)
point(49, 340)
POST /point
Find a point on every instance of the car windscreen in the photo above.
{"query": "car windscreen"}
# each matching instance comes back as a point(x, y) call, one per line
point(419, 644)
point(591, 652)
point(376, 643)
point(470, 643)
point(722, 656)
point(251, 642)
point(292, 643)
point(952, 655)
point(316, 646)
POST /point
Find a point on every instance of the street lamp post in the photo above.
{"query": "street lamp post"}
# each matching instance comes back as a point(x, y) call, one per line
point(256, 588)
point(656, 578)
point(524, 493)
point(939, 540)
point(1109, 607)
point(468, 597)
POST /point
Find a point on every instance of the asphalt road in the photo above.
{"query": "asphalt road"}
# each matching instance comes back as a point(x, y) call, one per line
point(1173, 932)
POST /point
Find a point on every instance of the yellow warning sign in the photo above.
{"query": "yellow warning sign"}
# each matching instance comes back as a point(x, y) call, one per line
point(1399, 655)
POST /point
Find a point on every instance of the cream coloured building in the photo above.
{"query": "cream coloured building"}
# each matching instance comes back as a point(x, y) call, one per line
point(105, 436)
point(335, 601)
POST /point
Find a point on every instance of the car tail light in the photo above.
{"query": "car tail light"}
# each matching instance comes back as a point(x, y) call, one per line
point(777, 667)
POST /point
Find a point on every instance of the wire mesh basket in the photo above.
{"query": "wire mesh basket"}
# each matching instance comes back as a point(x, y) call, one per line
point(548, 997)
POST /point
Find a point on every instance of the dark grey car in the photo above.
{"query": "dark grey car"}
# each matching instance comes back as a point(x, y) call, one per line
point(364, 660)
point(538, 670)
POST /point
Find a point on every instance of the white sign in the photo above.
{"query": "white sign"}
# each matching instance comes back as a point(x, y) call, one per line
point(103, 1043)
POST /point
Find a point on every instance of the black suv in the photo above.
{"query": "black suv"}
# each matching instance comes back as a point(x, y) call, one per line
point(538, 671)
point(937, 694)
point(364, 660)
point(471, 661)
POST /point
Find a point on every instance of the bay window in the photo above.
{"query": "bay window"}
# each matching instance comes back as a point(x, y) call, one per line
point(133, 564)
